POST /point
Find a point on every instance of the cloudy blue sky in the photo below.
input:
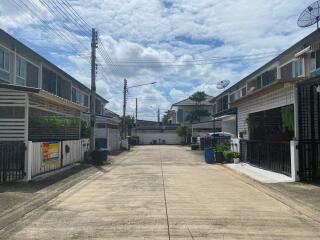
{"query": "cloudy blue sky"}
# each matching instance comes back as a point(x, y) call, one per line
point(183, 45)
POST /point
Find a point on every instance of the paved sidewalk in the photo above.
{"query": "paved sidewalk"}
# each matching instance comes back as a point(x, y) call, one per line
point(163, 192)
point(258, 174)
point(13, 194)
point(307, 195)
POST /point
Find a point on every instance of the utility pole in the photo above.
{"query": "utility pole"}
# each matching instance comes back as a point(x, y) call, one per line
point(136, 114)
point(93, 89)
point(125, 90)
point(158, 115)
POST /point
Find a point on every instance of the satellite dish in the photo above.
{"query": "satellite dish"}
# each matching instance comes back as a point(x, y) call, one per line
point(223, 84)
point(310, 16)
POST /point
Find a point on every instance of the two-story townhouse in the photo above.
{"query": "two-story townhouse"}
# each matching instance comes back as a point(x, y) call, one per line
point(180, 111)
point(40, 103)
point(224, 115)
point(21, 66)
point(277, 104)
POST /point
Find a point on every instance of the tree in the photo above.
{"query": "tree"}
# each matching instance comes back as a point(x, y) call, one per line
point(166, 117)
point(198, 112)
point(198, 97)
point(130, 122)
point(183, 131)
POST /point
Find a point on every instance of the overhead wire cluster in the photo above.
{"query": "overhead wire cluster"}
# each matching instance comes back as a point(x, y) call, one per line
point(74, 32)
point(73, 26)
point(69, 28)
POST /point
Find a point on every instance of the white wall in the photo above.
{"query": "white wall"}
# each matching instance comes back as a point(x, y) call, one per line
point(147, 136)
point(235, 144)
point(35, 165)
point(229, 126)
point(76, 153)
point(36, 160)
point(114, 139)
point(277, 98)
point(100, 132)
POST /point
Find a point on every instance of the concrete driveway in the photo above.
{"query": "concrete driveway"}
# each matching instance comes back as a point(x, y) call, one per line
point(163, 192)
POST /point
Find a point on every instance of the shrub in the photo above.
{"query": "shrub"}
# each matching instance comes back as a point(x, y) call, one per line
point(183, 131)
point(221, 147)
point(236, 155)
point(135, 140)
point(228, 155)
point(194, 147)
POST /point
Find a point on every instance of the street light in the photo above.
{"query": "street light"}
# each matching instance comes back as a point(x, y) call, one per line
point(141, 85)
point(125, 91)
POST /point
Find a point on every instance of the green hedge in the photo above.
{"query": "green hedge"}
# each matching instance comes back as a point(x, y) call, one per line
point(228, 155)
point(194, 147)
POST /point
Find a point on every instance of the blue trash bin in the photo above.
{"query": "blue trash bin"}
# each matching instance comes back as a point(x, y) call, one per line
point(209, 155)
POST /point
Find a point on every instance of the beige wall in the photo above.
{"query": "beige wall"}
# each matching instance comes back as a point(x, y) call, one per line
point(277, 98)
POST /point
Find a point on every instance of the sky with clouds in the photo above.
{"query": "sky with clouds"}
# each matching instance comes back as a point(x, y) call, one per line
point(183, 45)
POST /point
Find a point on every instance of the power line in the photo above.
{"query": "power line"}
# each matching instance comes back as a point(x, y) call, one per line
point(35, 14)
point(160, 65)
point(199, 60)
point(31, 7)
point(64, 12)
point(102, 51)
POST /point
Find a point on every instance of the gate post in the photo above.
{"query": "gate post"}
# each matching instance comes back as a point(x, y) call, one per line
point(28, 165)
point(294, 152)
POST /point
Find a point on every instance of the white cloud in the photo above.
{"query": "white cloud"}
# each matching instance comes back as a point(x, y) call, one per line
point(162, 33)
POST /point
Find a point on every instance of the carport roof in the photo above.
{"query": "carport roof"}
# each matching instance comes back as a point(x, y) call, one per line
point(45, 95)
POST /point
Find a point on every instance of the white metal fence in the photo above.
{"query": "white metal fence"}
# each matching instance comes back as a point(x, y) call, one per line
point(38, 165)
point(48, 156)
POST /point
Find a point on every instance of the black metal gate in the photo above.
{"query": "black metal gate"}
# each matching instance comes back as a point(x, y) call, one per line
point(273, 156)
point(309, 129)
point(12, 157)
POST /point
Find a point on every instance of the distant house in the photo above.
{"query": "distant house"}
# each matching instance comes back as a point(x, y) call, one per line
point(107, 131)
point(152, 132)
point(179, 111)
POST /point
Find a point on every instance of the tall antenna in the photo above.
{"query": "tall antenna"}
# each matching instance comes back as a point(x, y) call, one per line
point(310, 16)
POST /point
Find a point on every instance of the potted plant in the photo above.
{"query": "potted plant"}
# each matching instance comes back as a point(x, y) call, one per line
point(228, 156)
point(218, 152)
point(236, 157)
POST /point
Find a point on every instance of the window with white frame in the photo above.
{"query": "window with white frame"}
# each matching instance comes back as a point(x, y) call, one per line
point(244, 92)
point(214, 108)
point(79, 97)
point(74, 95)
point(84, 99)
point(21, 71)
point(314, 61)
point(4, 65)
point(4, 60)
point(298, 68)
point(235, 95)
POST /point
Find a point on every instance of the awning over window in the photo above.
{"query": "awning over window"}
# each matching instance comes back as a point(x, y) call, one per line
point(304, 51)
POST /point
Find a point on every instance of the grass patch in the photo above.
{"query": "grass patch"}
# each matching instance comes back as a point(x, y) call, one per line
point(107, 162)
